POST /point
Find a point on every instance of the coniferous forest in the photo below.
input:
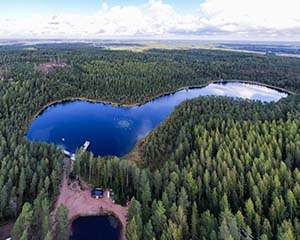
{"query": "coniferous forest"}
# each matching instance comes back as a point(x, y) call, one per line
point(217, 168)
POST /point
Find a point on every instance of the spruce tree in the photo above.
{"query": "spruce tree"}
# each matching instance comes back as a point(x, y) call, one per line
point(61, 223)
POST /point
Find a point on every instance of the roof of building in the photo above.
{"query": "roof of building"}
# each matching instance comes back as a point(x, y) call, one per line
point(97, 192)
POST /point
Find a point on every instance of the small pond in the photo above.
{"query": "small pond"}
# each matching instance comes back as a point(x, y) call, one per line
point(114, 130)
point(95, 227)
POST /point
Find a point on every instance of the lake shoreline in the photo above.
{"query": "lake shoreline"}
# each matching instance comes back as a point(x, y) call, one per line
point(149, 99)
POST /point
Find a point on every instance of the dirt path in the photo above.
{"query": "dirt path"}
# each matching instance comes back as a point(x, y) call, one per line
point(5, 230)
point(80, 203)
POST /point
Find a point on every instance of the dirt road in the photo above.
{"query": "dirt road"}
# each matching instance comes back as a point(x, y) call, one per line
point(80, 203)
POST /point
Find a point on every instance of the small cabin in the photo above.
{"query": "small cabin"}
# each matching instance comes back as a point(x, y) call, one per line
point(97, 193)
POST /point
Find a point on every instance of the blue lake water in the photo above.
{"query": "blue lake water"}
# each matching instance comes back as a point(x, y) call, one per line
point(114, 130)
point(95, 227)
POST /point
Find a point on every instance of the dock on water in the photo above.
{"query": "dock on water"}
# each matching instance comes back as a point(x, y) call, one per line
point(72, 156)
point(85, 146)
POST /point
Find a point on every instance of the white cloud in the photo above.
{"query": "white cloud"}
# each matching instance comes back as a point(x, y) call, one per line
point(104, 6)
point(237, 19)
point(262, 17)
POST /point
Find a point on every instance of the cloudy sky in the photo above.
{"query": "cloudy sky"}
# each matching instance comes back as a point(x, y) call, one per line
point(151, 19)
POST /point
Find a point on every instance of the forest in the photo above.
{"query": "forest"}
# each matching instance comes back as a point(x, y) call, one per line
point(218, 168)
point(228, 172)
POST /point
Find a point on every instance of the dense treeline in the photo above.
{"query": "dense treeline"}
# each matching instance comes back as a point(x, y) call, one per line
point(161, 146)
point(128, 77)
point(228, 172)
point(30, 172)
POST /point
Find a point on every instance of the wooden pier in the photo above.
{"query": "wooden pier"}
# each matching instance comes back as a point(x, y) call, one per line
point(85, 146)
point(72, 156)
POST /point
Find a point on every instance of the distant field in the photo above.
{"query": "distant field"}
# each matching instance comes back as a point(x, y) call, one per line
point(280, 48)
point(131, 45)
point(286, 49)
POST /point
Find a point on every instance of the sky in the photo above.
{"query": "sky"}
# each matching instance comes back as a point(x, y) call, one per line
point(151, 19)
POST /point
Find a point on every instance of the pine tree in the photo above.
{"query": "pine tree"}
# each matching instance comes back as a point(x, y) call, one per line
point(24, 235)
point(158, 218)
point(148, 233)
point(45, 218)
point(33, 184)
point(3, 200)
point(48, 236)
point(266, 229)
point(131, 230)
point(61, 223)
point(286, 231)
point(208, 225)
point(146, 199)
point(22, 187)
point(250, 212)
point(134, 211)
point(181, 221)
point(228, 228)
point(165, 200)
point(195, 222)
point(23, 222)
point(157, 183)
point(171, 192)
point(292, 203)
point(264, 237)
point(45, 226)
point(174, 231)
point(183, 199)
point(46, 184)
point(77, 166)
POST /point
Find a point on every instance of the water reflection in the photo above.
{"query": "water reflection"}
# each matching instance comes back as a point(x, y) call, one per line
point(115, 130)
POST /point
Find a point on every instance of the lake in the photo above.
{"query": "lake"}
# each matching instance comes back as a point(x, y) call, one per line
point(114, 130)
point(95, 227)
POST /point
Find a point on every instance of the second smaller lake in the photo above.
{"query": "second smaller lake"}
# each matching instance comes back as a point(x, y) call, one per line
point(114, 130)
point(95, 227)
